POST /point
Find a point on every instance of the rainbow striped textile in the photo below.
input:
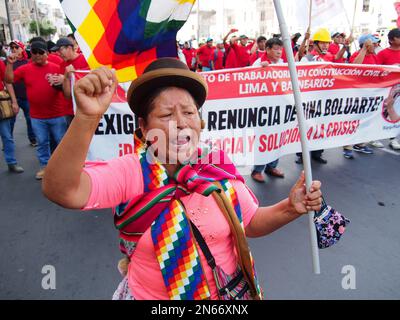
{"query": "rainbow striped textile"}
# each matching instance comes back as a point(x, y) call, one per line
point(126, 35)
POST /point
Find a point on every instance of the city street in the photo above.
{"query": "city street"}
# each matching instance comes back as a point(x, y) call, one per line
point(83, 247)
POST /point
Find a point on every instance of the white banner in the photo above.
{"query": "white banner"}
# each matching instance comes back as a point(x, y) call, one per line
point(323, 13)
point(250, 112)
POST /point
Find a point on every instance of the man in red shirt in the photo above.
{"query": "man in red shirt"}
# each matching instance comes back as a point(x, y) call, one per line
point(18, 49)
point(273, 54)
point(391, 56)
point(260, 50)
point(190, 56)
point(72, 61)
point(71, 37)
point(217, 57)
point(230, 55)
point(204, 55)
point(366, 54)
point(274, 51)
point(46, 107)
point(66, 50)
point(242, 50)
point(321, 42)
point(338, 40)
point(53, 55)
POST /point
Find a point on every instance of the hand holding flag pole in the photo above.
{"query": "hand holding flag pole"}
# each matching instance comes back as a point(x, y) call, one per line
point(302, 128)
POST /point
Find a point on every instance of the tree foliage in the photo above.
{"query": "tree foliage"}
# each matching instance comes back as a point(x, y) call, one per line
point(46, 28)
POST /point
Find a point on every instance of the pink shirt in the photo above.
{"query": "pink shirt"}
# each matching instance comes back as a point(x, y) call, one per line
point(120, 179)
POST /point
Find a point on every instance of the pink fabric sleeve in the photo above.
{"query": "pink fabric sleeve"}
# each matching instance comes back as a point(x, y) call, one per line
point(248, 201)
point(113, 182)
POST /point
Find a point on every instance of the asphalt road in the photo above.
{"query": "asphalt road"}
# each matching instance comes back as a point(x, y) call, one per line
point(83, 248)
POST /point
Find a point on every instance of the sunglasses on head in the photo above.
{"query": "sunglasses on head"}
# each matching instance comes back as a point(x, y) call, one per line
point(38, 51)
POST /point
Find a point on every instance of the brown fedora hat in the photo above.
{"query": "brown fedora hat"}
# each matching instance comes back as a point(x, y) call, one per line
point(166, 72)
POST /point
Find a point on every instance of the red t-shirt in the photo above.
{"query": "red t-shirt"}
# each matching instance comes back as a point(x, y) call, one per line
point(389, 56)
point(230, 60)
point(79, 63)
point(2, 72)
point(255, 56)
point(334, 48)
point(370, 58)
point(242, 54)
point(328, 57)
point(218, 59)
point(284, 55)
point(204, 53)
point(265, 58)
point(189, 55)
point(44, 100)
point(54, 58)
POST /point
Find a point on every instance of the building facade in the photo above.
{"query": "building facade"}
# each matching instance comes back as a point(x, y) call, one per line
point(23, 12)
point(258, 17)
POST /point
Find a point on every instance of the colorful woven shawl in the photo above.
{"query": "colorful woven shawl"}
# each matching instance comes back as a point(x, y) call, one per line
point(160, 207)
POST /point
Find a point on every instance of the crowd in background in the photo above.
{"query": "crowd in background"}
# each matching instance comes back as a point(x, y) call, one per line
point(37, 79)
point(323, 45)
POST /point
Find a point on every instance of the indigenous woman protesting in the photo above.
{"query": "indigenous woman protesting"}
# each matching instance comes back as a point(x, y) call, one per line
point(183, 213)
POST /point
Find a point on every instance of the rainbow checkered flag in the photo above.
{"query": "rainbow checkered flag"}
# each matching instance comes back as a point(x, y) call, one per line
point(126, 35)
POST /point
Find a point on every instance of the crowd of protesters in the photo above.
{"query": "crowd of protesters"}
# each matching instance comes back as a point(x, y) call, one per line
point(323, 45)
point(36, 77)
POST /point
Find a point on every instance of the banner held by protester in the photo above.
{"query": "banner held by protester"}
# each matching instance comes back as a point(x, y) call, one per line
point(250, 112)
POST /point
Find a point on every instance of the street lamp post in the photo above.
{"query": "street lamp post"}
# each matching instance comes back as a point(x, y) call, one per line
point(10, 26)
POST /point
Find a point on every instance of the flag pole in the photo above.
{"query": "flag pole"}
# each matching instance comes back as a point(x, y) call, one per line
point(354, 18)
point(353, 22)
point(309, 24)
point(302, 128)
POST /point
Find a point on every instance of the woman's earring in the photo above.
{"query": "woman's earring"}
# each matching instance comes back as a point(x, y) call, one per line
point(203, 124)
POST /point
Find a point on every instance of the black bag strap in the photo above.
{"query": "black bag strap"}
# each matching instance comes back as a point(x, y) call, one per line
point(211, 262)
point(203, 246)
